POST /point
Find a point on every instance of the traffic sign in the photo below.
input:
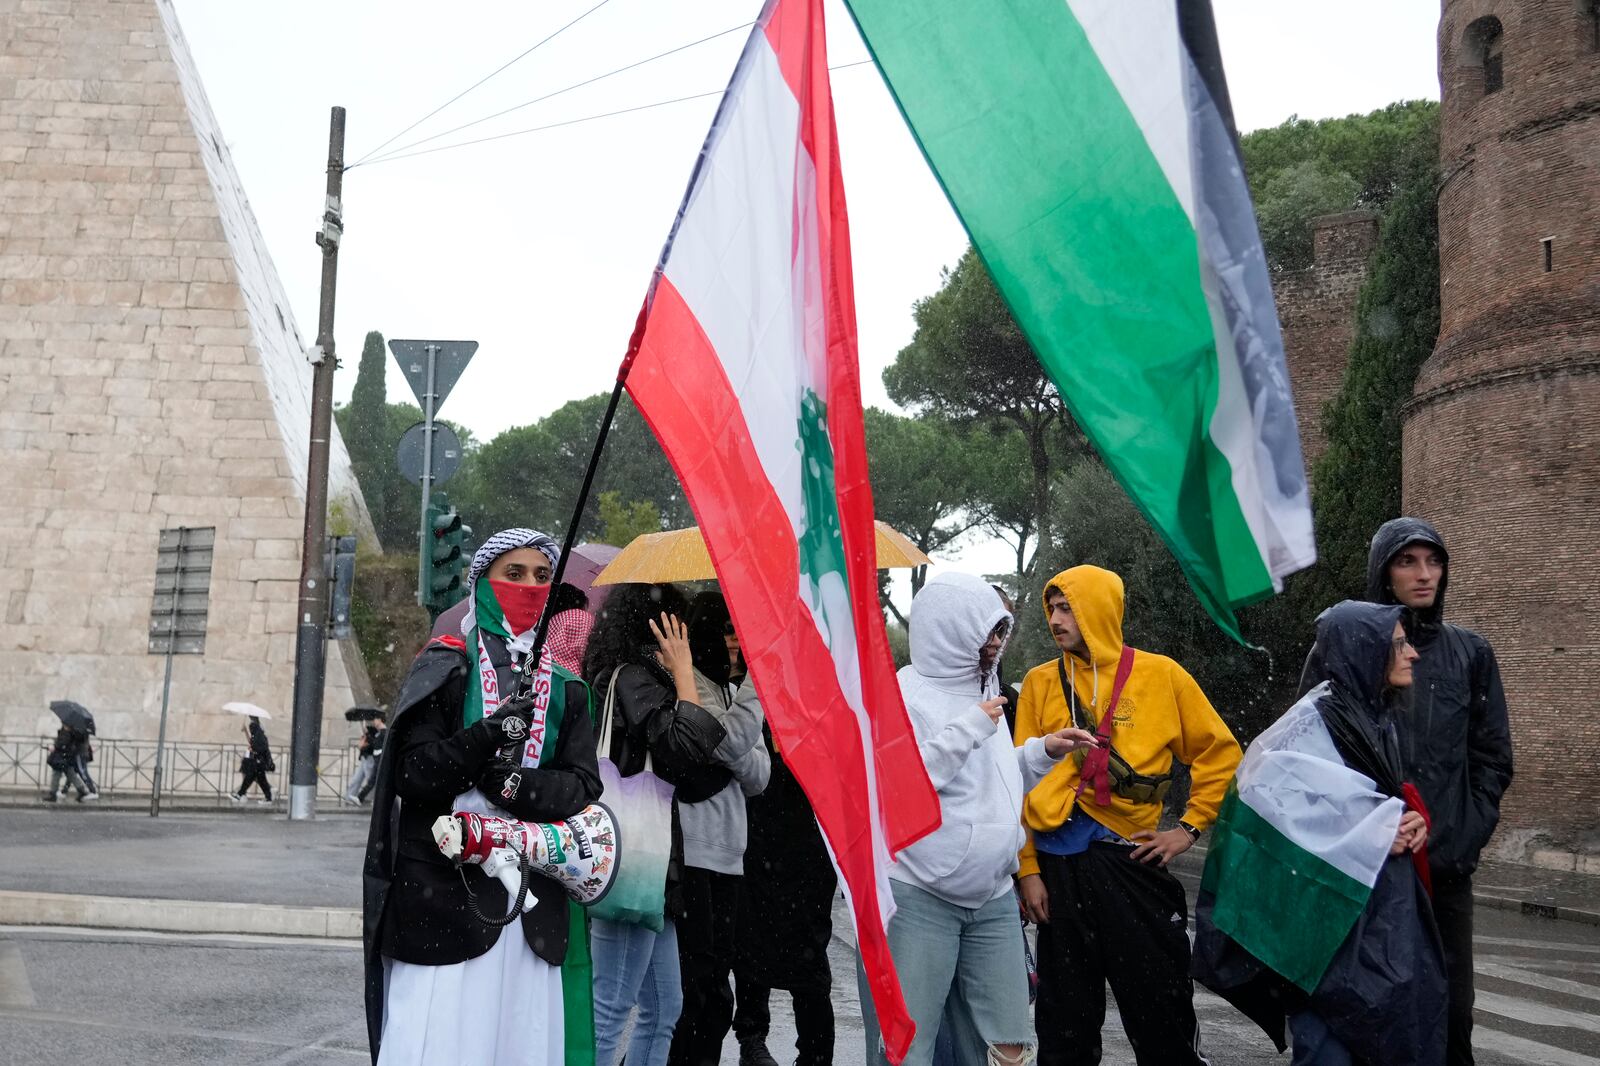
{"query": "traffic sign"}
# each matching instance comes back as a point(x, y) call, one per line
point(450, 359)
point(446, 452)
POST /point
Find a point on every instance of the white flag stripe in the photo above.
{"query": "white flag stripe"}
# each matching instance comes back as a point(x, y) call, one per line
point(1292, 776)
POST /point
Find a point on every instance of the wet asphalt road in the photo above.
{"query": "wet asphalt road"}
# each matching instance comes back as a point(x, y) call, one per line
point(90, 997)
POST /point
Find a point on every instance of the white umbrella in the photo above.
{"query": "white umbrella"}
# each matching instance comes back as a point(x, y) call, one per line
point(246, 708)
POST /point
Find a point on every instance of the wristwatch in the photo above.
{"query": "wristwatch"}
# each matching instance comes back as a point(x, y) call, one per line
point(1194, 834)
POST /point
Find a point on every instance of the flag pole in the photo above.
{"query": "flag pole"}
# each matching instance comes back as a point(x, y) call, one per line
point(525, 681)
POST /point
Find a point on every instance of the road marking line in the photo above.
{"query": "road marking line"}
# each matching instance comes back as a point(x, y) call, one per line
point(1537, 980)
point(1525, 1010)
point(1521, 1049)
point(15, 988)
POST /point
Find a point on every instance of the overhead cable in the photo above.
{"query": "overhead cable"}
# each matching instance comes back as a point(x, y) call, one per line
point(510, 63)
point(569, 122)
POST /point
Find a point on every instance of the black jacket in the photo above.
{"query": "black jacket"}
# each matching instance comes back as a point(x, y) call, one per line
point(1455, 737)
point(681, 739)
point(415, 906)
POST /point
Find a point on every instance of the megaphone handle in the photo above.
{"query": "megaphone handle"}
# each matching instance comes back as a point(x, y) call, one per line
point(499, 922)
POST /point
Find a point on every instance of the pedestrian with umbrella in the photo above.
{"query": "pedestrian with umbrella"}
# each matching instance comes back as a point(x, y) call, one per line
point(66, 758)
point(366, 772)
point(257, 763)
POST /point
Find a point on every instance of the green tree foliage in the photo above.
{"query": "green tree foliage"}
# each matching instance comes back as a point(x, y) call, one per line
point(969, 364)
point(393, 502)
point(621, 522)
point(1356, 481)
point(1302, 169)
point(363, 425)
point(1290, 199)
point(1096, 523)
point(530, 475)
point(923, 480)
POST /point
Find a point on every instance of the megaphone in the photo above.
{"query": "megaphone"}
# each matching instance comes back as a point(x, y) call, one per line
point(579, 853)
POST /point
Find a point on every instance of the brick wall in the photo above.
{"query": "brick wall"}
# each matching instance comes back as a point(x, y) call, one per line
point(150, 376)
point(1502, 440)
point(1316, 308)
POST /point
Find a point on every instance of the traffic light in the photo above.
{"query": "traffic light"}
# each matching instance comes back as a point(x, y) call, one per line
point(442, 587)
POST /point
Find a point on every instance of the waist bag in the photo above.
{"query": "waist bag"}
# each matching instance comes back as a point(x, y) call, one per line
point(1104, 768)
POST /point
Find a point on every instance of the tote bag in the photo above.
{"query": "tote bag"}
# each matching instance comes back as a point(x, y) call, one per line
point(641, 806)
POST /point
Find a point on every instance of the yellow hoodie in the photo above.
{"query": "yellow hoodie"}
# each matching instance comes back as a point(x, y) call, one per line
point(1162, 714)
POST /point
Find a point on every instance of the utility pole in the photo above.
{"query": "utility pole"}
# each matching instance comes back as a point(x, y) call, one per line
point(310, 648)
point(424, 541)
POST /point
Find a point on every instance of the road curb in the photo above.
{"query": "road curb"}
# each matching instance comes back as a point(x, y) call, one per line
point(178, 915)
point(1537, 908)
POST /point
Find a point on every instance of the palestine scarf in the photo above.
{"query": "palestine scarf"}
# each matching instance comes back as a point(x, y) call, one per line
point(509, 613)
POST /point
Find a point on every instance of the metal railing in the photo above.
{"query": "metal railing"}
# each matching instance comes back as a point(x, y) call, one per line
point(125, 769)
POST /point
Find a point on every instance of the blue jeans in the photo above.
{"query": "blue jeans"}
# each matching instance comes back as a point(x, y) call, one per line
point(959, 969)
point(634, 966)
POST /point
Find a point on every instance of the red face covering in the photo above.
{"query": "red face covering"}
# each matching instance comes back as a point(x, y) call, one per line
point(521, 604)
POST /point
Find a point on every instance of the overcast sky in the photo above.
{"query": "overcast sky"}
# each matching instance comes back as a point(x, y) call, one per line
point(539, 246)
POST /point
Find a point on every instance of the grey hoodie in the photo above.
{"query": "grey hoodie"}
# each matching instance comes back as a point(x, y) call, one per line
point(980, 776)
point(715, 831)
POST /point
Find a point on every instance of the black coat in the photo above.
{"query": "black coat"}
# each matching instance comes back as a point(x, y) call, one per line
point(1455, 736)
point(415, 906)
point(786, 902)
point(681, 739)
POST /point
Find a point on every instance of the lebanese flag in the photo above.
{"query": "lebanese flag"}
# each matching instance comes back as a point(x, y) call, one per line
point(744, 364)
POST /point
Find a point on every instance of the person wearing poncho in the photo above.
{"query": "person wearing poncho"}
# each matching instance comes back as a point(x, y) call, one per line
point(442, 986)
point(1313, 909)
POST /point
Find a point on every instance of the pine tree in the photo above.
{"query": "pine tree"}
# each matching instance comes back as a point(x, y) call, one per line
point(364, 428)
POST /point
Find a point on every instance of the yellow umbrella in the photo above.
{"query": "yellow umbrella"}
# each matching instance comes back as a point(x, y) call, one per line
point(680, 555)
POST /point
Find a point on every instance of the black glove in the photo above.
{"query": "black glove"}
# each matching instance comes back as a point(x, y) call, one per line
point(501, 779)
point(513, 716)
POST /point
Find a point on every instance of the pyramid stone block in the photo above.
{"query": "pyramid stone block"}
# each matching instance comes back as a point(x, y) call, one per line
point(151, 376)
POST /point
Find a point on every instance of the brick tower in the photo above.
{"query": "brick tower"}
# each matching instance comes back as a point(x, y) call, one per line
point(1502, 436)
point(151, 377)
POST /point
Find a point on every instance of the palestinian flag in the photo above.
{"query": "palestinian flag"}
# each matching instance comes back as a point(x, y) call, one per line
point(1089, 148)
point(744, 363)
point(1297, 848)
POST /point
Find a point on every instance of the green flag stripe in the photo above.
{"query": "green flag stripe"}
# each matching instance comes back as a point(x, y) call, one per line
point(1281, 903)
point(1086, 240)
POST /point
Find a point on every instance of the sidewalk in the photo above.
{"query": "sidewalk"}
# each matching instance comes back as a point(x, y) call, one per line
point(188, 872)
point(251, 871)
point(1505, 886)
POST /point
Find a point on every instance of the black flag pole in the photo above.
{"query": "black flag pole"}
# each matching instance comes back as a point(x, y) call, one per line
point(525, 682)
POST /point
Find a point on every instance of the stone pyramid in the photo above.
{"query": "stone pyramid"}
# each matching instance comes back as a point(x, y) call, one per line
point(151, 376)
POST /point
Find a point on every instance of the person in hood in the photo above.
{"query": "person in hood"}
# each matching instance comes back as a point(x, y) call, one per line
point(1093, 871)
point(444, 986)
point(640, 640)
point(1455, 739)
point(955, 937)
point(715, 832)
point(1381, 999)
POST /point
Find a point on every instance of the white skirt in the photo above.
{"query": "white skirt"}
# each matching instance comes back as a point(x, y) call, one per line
point(503, 1008)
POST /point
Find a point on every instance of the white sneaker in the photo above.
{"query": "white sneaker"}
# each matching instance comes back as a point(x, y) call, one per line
point(91, 796)
point(263, 803)
point(234, 797)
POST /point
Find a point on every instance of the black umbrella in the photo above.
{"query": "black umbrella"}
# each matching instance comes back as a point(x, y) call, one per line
point(363, 714)
point(73, 715)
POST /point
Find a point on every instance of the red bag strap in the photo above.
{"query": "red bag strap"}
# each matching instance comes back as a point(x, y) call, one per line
point(1419, 858)
point(1097, 763)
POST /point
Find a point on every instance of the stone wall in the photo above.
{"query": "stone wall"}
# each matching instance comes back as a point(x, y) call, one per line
point(1317, 312)
point(1502, 438)
point(150, 376)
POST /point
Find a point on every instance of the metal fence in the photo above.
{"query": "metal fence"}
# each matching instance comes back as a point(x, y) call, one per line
point(125, 769)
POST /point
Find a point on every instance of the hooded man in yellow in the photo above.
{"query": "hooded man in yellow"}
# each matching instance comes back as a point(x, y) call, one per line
point(1093, 873)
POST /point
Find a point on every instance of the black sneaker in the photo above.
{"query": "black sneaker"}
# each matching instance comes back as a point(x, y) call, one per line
point(755, 1053)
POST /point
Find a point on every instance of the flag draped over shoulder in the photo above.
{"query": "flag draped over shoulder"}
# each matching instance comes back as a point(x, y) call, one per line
point(1088, 147)
point(744, 364)
point(1297, 848)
